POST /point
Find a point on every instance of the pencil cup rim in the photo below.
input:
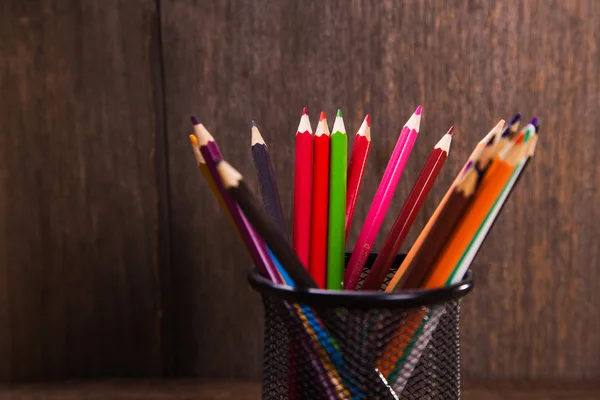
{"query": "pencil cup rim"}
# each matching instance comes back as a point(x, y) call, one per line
point(358, 299)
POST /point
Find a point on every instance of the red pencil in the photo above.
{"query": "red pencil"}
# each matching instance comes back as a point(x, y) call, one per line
point(409, 212)
point(303, 189)
point(320, 203)
point(356, 168)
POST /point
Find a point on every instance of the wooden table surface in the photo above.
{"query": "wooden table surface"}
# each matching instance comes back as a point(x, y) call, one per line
point(226, 390)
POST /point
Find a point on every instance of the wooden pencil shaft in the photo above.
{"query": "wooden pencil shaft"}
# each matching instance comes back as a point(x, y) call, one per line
point(271, 234)
point(268, 184)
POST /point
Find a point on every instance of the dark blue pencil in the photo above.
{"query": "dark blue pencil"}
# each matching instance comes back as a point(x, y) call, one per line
point(266, 178)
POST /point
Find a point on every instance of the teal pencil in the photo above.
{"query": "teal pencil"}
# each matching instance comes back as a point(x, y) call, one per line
point(337, 205)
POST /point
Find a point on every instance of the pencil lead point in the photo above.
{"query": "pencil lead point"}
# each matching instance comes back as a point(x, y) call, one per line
point(365, 128)
point(304, 125)
point(195, 120)
point(322, 116)
point(451, 130)
point(253, 124)
point(338, 124)
point(534, 121)
point(414, 122)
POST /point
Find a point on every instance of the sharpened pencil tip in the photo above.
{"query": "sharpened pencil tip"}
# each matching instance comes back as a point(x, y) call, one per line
point(195, 120)
point(451, 130)
point(368, 119)
point(229, 175)
point(305, 111)
point(338, 125)
point(418, 110)
point(256, 136)
point(515, 119)
point(339, 113)
point(322, 116)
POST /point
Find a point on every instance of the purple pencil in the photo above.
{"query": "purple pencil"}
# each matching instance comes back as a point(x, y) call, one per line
point(254, 243)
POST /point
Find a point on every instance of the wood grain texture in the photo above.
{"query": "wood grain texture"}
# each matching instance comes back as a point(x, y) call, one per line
point(79, 294)
point(246, 390)
point(536, 309)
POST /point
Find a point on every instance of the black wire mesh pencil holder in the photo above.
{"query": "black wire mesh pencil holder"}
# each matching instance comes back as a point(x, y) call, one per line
point(360, 345)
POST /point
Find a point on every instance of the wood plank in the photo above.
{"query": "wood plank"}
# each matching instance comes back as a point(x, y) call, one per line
point(242, 390)
point(469, 64)
point(79, 294)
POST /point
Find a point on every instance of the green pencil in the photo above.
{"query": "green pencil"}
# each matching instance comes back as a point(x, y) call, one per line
point(337, 205)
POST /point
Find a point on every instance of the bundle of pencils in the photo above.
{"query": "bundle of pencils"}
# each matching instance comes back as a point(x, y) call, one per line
point(326, 189)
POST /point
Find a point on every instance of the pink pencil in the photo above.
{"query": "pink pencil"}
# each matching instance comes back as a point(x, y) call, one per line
point(382, 200)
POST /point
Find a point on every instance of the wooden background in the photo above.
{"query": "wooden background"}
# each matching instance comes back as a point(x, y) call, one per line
point(116, 261)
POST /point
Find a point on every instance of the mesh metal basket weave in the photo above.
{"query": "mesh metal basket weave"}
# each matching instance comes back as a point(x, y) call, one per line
point(360, 345)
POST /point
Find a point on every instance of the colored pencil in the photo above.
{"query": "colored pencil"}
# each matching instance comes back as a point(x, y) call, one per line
point(302, 189)
point(336, 238)
point(458, 203)
point(493, 182)
point(270, 196)
point(418, 243)
point(320, 204)
point(356, 168)
point(408, 213)
point(382, 200)
point(266, 178)
point(254, 244)
point(234, 185)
